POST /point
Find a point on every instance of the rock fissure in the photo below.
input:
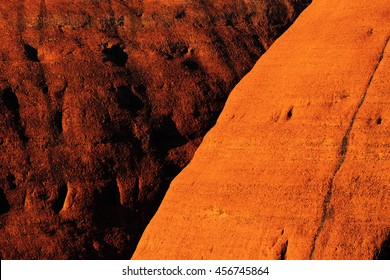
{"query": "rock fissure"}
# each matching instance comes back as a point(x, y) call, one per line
point(343, 153)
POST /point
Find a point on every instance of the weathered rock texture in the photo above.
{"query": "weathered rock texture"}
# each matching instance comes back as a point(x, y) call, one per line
point(297, 166)
point(103, 102)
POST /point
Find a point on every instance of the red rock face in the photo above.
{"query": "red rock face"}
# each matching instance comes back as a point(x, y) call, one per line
point(297, 165)
point(103, 102)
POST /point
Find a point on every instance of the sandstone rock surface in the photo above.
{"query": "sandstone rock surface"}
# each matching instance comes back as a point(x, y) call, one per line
point(297, 166)
point(103, 102)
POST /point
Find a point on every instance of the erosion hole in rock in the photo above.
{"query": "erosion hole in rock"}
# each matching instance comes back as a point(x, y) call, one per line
point(31, 53)
point(180, 14)
point(10, 100)
point(116, 55)
point(229, 22)
point(179, 49)
point(4, 204)
point(10, 180)
point(379, 121)
point(191, 64)
point(59, 202)
point(165, 135)
point(290, 113)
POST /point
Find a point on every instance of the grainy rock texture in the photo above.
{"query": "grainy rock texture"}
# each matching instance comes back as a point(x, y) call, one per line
point(103, 102)
point(297, 166)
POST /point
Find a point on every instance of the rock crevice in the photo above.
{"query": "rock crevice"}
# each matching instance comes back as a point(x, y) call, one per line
point(343, 153)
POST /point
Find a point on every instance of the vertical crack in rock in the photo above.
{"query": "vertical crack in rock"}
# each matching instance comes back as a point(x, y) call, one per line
point(343, 153)
point(283, 251)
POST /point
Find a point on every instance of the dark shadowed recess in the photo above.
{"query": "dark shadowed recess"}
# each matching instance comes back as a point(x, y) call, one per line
point(128, 98)
point(31, 53)
point(11, 103)
point(116, 54)
point(58, 203)
point(384, 251)
point(4, 204)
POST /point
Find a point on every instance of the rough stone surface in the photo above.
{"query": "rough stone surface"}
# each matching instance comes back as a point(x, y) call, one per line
point(297, 166)
point(103, 102)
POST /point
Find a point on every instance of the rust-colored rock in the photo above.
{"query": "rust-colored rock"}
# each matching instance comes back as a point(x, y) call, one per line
point(297, 166)
point(103, 102)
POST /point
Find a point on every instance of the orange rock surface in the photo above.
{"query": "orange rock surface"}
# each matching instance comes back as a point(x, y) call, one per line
point(102, 103)
point(297, 166)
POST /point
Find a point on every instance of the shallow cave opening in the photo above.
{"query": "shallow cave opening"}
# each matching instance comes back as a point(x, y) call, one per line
point(180, 14)
point(116, 54)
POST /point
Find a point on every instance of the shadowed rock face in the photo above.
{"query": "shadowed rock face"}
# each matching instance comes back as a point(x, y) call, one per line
point(297, 165)
point(103, 102)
